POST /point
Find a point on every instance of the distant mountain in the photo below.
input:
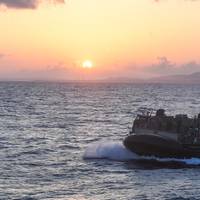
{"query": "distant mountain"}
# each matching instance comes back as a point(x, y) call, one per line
point(193, 78)
point(122, 80)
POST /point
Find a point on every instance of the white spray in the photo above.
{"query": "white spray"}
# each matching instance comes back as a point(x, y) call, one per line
point(115, 150)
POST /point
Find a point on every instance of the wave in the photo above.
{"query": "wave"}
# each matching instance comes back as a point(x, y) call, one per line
point(115, 150)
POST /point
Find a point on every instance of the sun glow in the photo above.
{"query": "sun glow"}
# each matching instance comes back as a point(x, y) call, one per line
point(87, 64)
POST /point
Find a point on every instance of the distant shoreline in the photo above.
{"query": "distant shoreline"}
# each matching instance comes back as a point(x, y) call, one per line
point(183, 79)
point(98, 82)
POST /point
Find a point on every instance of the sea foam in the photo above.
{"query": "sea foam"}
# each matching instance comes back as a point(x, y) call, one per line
point(112, 150)
point(115, 150)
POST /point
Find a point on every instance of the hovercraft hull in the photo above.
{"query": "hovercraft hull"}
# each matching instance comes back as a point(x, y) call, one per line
point(159, 146)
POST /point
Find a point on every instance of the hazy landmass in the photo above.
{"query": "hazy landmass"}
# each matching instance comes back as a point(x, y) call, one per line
point(193, 78)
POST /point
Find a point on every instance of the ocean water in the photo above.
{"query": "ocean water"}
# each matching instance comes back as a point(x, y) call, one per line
point(63, 141)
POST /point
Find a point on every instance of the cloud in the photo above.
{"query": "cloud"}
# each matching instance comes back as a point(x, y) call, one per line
point(50, 72)
point(165, 67)
point(1, 55)
point(57, 68)
point(189, 67)
point(184, 0)
point(25, 4)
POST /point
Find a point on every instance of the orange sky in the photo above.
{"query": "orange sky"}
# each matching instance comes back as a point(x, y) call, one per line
point(128, 38)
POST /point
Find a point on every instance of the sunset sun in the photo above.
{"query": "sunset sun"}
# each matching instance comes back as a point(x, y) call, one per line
point(87, 64)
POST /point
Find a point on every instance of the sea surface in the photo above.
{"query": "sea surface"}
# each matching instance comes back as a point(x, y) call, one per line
point(63, 141)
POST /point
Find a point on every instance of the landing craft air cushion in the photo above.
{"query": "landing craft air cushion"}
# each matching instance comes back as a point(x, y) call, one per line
point(165, 136)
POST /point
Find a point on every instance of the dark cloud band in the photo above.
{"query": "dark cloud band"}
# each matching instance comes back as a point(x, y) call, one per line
point(30, 4)
point(1, 55)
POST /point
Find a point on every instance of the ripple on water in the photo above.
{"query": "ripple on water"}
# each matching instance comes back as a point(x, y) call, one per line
point(52, 148)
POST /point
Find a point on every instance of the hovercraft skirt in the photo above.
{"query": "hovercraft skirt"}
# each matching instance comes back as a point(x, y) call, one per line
point(158, 146)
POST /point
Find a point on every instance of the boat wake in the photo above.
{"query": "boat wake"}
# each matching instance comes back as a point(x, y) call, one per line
point(115, 150)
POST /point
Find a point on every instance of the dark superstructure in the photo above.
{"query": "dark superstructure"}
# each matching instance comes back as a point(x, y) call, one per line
point(165, 136)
